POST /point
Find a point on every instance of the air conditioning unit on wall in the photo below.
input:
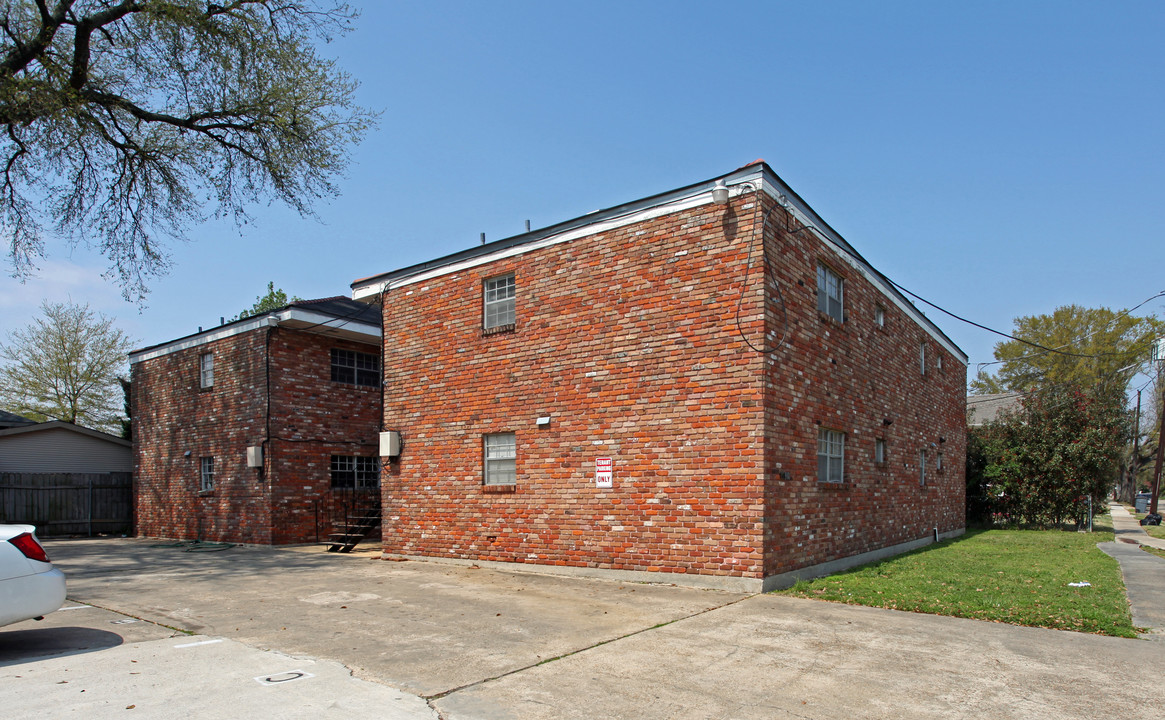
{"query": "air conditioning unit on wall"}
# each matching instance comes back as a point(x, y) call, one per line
point(255, 456)
point(389, 443)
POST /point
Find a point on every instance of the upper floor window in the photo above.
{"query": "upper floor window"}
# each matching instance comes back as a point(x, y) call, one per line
point(206, 370)
point(355, 472)
point(880, 451)
point(922, 467)
point(829, 292)
point(499, 302)
point(355, 368)
point(922, 357)
point(501, 457)
point(830, 455)
point(880, 316)
point(206, 474)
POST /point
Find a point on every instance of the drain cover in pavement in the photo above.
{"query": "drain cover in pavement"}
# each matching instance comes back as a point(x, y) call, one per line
point(283, 677)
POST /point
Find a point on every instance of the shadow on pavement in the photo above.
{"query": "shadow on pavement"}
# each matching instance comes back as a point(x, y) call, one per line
point(18, 646)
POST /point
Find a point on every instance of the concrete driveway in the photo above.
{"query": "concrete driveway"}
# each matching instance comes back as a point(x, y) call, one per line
point(479, 643)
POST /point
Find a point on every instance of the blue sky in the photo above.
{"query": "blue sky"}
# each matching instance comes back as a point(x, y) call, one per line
point(998, 158)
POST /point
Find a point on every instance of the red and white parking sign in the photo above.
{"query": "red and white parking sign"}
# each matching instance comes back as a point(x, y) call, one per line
point(604, 472)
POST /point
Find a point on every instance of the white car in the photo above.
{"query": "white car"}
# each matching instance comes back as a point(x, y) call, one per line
point(30, 587)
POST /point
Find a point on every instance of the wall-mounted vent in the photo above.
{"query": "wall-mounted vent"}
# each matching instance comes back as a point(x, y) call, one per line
point(389, 443)
point(255, 456)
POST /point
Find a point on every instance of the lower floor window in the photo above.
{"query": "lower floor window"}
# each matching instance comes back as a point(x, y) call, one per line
point(206, 474)
point(501, 458)
point(830, 455)
point(355, 472)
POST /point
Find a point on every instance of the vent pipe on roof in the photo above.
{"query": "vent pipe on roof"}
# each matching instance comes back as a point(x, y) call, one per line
point(483, 238)
point(527, 226)
point(222, 320)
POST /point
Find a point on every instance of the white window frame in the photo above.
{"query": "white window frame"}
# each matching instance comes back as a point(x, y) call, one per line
point(830, 455)
point(830, 292)
point(206, 474)
point(880, 316)
point(922, 357)
point(880, 451)
point(922, 467)
point(499, 301)
point(206, 370)
point(500, 458)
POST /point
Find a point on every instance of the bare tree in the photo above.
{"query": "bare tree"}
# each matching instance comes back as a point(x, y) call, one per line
point(65, 366)
point(124, 121)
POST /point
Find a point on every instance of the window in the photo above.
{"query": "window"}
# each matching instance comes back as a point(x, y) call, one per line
point(880, 451)
point(355, 472)
point(922, 357)
point(206, 474)
point(501, 452)
point(355, 368)
point(938, 361)
point(880, 316)
point(830, 455)
point(205, 370)
point(938, 462)
point(499, 302)
point(829, 292)
point(922, 467)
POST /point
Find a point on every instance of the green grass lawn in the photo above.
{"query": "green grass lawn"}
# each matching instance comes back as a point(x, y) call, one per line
point(1012, 576)
point(1157, 531)
point(1153, 551)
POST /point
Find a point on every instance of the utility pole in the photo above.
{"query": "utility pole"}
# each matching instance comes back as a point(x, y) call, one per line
point(1129, 489)
point(1159, 358)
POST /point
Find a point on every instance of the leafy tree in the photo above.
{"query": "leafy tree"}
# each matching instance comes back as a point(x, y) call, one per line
point(65, 366)
point(1095, 348)
point(1041, 463)
point(125, 120)
point(273, 300)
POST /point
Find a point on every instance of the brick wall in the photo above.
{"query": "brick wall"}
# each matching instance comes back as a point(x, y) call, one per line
point(630, 341)
point(311, 418)
point(866, 380)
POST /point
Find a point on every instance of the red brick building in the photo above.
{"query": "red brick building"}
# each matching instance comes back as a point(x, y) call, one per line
point(262, 430)
point(708, 386)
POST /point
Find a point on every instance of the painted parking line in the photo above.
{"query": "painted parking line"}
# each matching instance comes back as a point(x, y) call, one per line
point(75, 607)
point(200, 642)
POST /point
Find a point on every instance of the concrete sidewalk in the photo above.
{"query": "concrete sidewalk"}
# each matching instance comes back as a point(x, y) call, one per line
point(1128, 527)
point(1144, 573)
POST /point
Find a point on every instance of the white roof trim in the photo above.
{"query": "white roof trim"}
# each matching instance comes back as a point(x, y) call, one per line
point(698, 198)
point(839, 247)
point(292, 317)
point(743, 181)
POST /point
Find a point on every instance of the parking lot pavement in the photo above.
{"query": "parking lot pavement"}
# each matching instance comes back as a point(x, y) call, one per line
point(196, 676)
point(480, 643)
point(74, 629)
point(423, 627)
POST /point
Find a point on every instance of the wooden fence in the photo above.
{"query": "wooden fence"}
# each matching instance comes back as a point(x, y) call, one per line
point(68, 503)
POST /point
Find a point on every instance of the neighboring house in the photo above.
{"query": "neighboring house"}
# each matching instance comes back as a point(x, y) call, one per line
point(61, 447)
point(65, 479)
point(8, 420)
point(987, 408)
point(708, 386)
point(260, 430)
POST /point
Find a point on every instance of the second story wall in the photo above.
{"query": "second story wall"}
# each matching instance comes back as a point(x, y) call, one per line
point(626, 341)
